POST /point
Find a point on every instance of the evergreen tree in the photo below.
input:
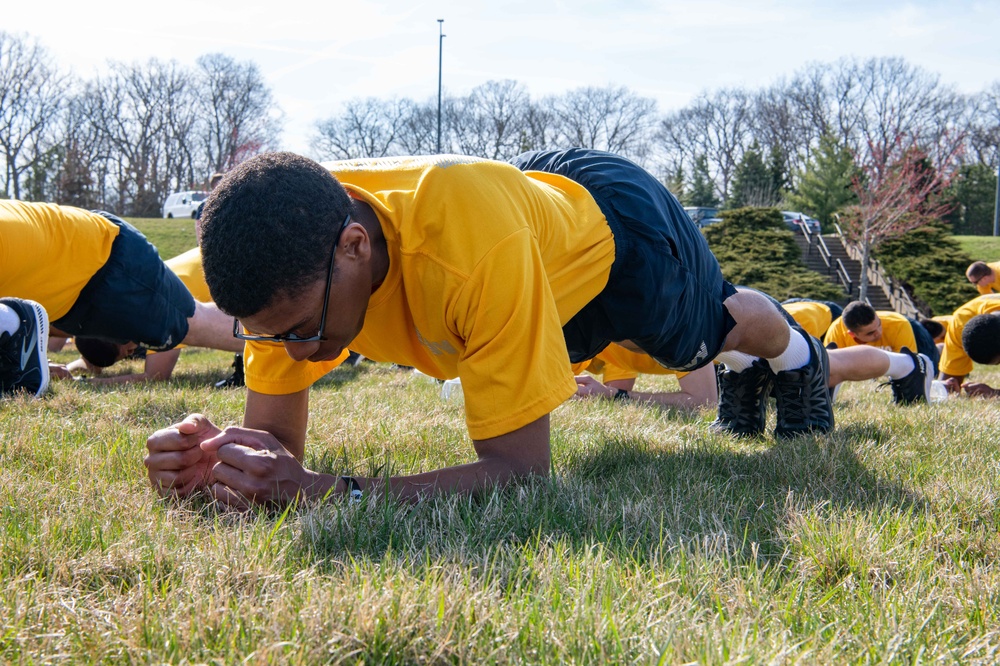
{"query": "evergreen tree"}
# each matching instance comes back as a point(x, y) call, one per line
point(752, 182)
point(675, 183)
point(779, 177)
point(825, 185)
point(973, 191)
point(702, 190)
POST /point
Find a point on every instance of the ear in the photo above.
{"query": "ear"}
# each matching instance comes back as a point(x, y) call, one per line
point(355, 243)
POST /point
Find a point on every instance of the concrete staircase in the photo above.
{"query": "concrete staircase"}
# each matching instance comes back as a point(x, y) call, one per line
point(812, 259)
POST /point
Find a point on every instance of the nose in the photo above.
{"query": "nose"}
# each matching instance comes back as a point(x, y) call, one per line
point(300, 351)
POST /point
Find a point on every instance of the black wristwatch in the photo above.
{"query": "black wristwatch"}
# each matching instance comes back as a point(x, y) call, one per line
point(353, 489)
point(621, 394)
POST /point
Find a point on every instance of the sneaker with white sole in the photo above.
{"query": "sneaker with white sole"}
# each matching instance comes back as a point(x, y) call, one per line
point(23, 363)
point(916, 386)
point(803, 395)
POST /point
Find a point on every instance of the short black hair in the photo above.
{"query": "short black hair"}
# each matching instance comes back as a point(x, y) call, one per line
point(268, 230)
point(97, 351)
point(858, 314)
point(935, 328)
point(977, 270)
point(981, 338)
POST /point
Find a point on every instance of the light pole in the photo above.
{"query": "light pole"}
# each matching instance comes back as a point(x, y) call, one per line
point(440, 50)
point(996, 207)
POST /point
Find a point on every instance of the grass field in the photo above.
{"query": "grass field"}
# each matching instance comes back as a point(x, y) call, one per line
point(984, 248)
point(170, 236)
point(654, 541)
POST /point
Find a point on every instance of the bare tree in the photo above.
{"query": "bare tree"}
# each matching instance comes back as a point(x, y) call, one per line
point(984, 133)
point(418, 132)
point(780, 126)
point(31, 93)
point(368, 127)
point(127, 108)
point(238, 112)
point(611, 118)
point(717, 126)
point(490, 122)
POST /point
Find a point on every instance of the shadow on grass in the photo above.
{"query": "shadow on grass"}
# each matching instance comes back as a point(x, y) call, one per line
point(634, 499)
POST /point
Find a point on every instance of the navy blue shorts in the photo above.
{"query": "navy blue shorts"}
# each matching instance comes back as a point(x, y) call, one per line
point(134, 297)
point(665, 289)
point(925, 343)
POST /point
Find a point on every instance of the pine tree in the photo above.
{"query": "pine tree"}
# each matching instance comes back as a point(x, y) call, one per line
point(702, 190)
point(973, 191)
point(776, 168)
point(675, 183)
point(825, 185)
point(752, 182)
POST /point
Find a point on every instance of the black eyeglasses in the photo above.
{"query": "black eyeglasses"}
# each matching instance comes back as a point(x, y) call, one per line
point(292, 337)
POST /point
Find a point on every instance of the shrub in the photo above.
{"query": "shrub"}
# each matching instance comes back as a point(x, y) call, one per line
point(931, 265)
point(756, 249)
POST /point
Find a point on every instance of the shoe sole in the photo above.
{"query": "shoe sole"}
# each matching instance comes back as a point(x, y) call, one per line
point(42, 320)
point(928, 378)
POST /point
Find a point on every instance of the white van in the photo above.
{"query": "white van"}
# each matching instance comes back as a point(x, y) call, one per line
point(183, 204)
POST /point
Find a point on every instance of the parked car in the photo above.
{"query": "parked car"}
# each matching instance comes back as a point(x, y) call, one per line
point(183, 204)
point(796, 220)
point(702, 215)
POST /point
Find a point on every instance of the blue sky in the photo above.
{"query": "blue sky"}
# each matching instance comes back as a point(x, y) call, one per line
point(315, 56)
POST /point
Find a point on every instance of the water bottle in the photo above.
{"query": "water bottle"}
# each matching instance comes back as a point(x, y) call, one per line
point(939, 392)
point(452, 388)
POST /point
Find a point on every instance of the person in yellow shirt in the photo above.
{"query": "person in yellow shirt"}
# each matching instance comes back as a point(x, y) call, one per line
point(498, 274)
point(910, 374)
point(973, 335)
point(814, 317)
point(619, 368)
point(862, 325)
point(100, 277)
point(984, 276)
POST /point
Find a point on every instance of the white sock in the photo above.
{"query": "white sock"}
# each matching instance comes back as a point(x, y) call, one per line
point(9, 320)
point(834, 391)
point(795, 356)
point(735, 361)
point(900, 365)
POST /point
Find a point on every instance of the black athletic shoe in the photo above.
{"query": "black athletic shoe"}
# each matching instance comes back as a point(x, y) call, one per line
point(743, 400)
point(916, 386)
point(236, 379)
point(23, 363)
point(803, 395)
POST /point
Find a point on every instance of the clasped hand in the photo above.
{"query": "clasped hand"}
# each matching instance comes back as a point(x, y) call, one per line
point(237, 466)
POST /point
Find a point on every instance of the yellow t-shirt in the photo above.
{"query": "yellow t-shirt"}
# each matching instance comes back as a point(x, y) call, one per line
point(995, 285)
point(954, 360)
point(188, 268)
point(815, 318)
point(48, 253)
point(616, 363)
point(897, 332)
point(486, 264)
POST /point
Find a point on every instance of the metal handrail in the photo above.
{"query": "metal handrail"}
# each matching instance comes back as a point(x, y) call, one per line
point(899, 298)
point(808, 236)
point(844, 278)
point(824, 253)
